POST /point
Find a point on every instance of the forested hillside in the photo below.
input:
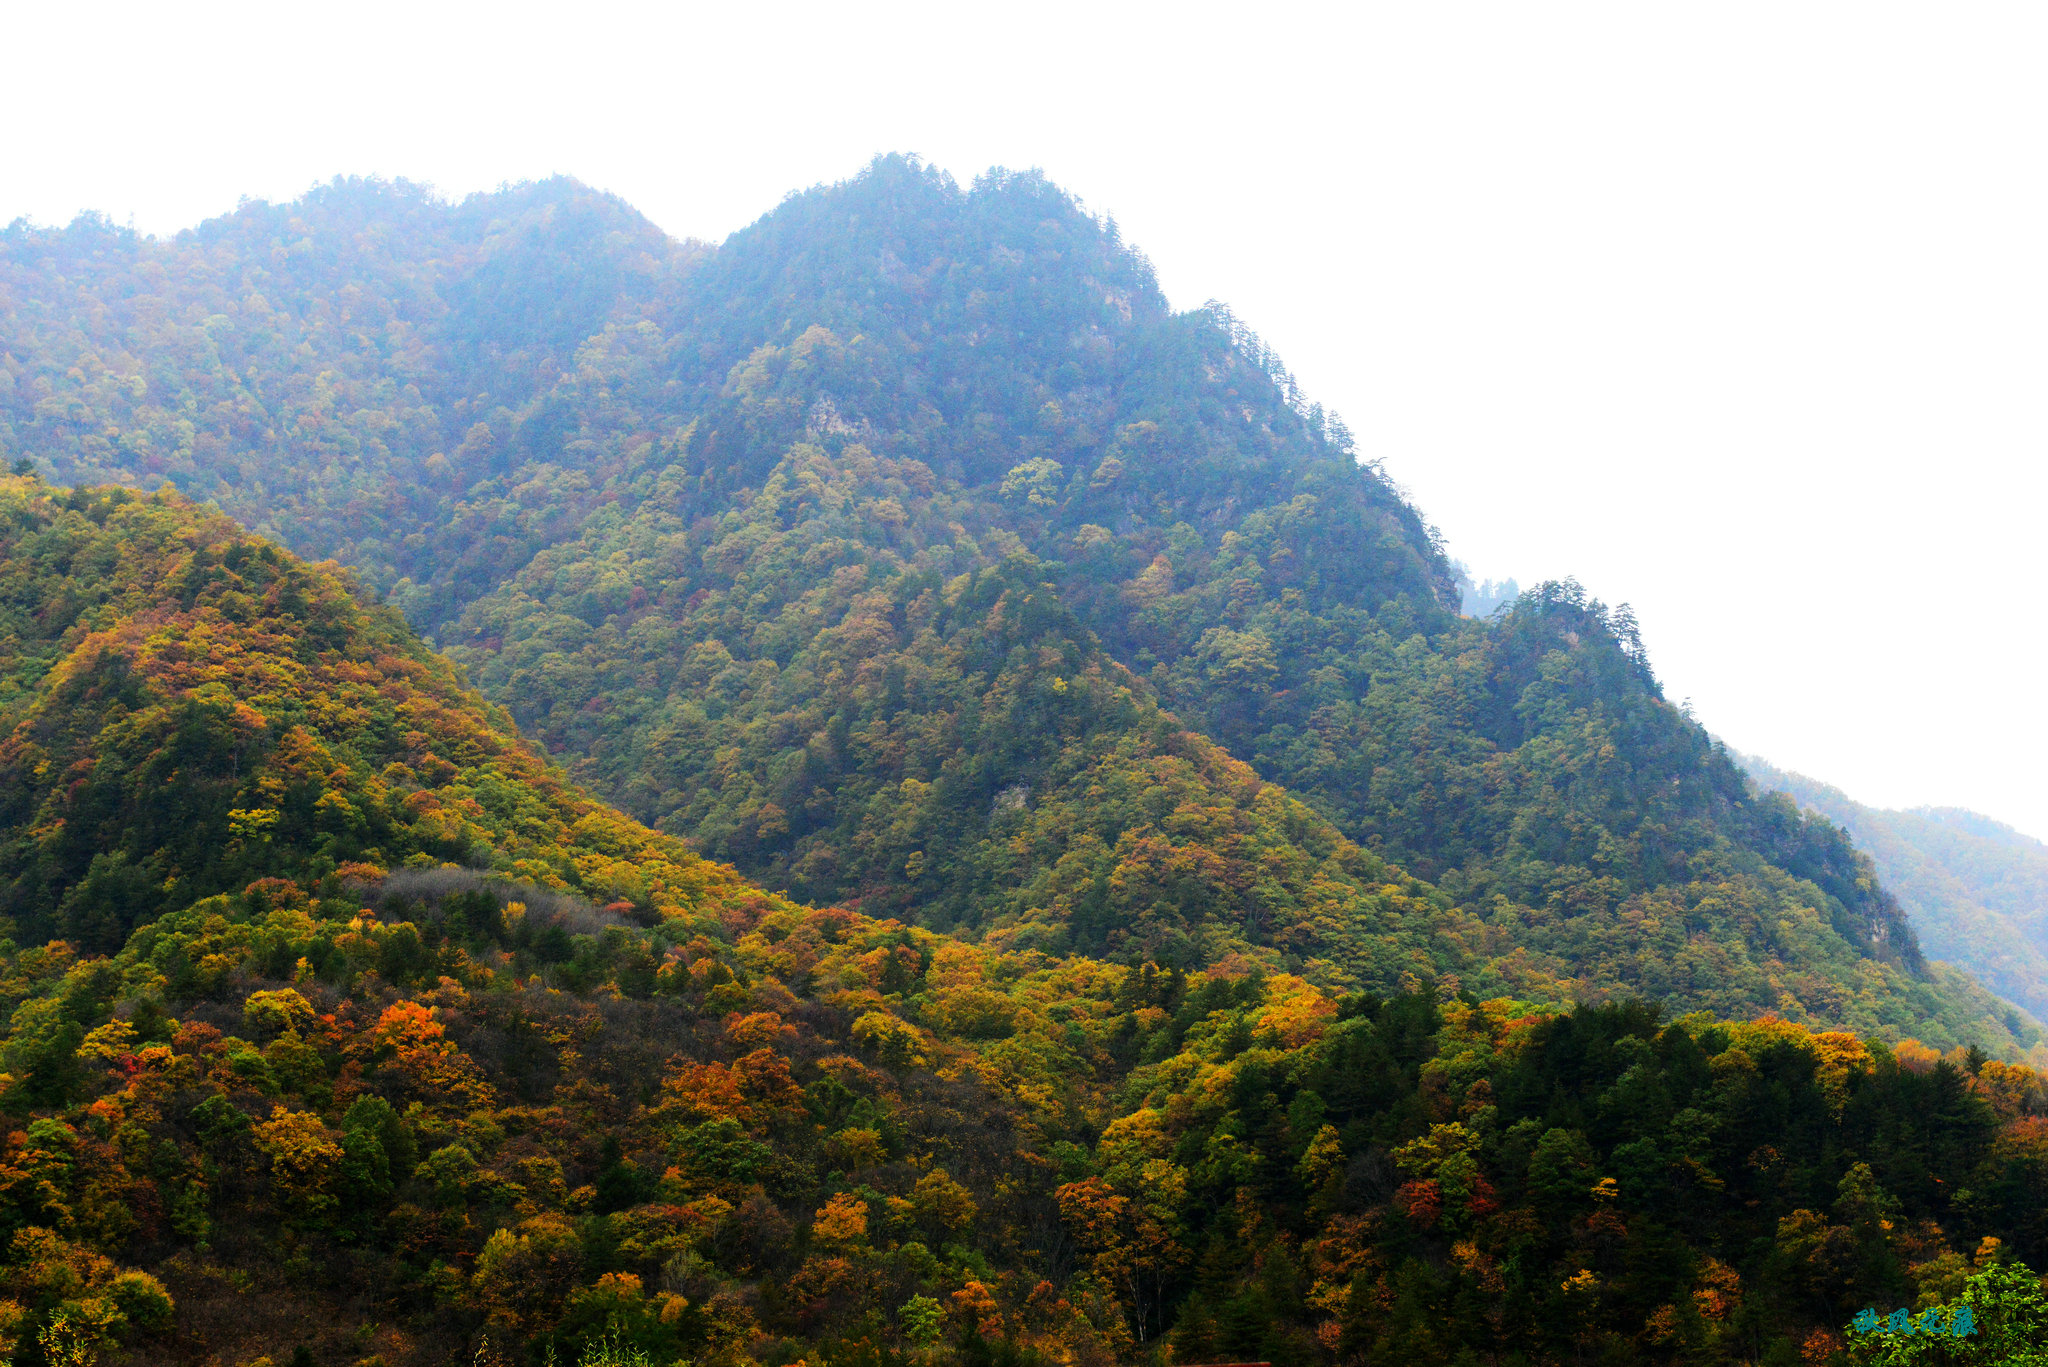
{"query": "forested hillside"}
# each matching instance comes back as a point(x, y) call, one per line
point(1976, 890)
point(910, 553)
point(342, 1029)
point(327, 371)
point(189, 709)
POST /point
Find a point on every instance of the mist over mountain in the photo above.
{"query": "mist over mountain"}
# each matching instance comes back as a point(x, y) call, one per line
point(1976, 889)
point(872, 793)
point(912, 525)
point(1486, 596)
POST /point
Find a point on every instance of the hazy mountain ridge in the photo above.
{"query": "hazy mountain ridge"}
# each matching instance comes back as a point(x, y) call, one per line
point(770, 464)
point(1977, 889)
point(316, 367)
point(907, 552)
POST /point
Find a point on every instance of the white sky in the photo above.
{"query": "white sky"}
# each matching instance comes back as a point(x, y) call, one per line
point(1735, 312)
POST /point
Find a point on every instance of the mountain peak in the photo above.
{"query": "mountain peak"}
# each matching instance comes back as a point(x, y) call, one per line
point(1217, 944)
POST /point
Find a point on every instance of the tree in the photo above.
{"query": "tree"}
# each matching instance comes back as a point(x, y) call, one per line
point(2001, 1317)
point(305, 1158)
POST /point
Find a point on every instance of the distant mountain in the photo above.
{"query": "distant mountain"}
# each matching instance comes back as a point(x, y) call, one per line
point(327, 371)
point(1484, 597)
point(1976, 890)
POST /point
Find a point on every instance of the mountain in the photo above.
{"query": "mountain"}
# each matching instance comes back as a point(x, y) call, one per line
point(1485, 597)
point(188, 710)
point(1976, 890)
point(908, 552)
point(341, 1026)
point(327, 369)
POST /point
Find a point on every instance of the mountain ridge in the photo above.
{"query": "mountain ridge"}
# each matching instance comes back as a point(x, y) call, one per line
point(754, 557)
point(1222, 948)
point(1976, 888)
point(209, 712)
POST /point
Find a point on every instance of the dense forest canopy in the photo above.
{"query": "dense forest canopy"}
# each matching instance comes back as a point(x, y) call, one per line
point(364, 1036)
point(1150, 920)
point(909, 552)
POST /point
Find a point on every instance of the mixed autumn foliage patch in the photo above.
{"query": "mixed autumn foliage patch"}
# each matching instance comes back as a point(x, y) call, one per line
point(339, 1020)
point(908, 551)
point(1154, 926)
point(764, 1132)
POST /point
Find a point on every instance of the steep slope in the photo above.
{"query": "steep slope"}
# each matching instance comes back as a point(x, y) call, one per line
point(1976, 890)
point(341, 1060)
point(948, 742)
point(958, 748)
point(187, 709)
point(909, 550)
point(880, 430)
point(414, 1065)
point(327, 371)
